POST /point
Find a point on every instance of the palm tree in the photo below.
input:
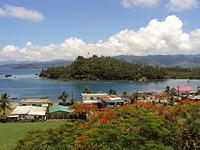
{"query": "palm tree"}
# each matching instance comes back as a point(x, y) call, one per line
point(134, 97)
point(86, 90)
point(112, 92)
point(124, 94)
point(167, 89)
point(64, 95)
point(4, 102)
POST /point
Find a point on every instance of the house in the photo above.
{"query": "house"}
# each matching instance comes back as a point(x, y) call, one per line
point(58, 112)
point(112, 101)
point(35, 102)
point(181, 91)
point(29, 113)
point(93, 98)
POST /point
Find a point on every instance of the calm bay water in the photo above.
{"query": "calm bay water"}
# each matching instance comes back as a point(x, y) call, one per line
point(28, 85)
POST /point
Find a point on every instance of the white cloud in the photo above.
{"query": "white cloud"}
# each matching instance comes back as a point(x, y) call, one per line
point(131, 3)
point(179, 5)
point(172, 5)
point(20, 12)
point(158, 37)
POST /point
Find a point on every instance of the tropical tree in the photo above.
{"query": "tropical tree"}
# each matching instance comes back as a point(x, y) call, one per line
point(86, 90)
point(112, 92)
point(4, 102)
point(125, 94)
point(134, 97)
point(171, 100)
point(82, 110)
point(142, 125)
point(63, 96)
point(167, 89)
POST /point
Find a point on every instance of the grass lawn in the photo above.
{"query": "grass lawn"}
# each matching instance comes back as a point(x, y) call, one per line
point(10, 133)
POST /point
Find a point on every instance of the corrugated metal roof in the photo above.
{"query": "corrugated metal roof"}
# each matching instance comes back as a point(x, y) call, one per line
point(35, 101)
point(41, 111)
point(29, 110)
point(91, 101)
point(21, 110)
point(94, 94)
point(111, 98)
point(59, 108)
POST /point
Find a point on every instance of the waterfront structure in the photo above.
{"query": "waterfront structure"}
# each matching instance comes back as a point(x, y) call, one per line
point(29, 113)
point(35, 102)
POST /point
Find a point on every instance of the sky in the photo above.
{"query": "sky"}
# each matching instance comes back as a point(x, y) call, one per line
point(43, 30)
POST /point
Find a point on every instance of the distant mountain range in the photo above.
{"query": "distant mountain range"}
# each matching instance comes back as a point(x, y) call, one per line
point(34, 65)
point(184, 61)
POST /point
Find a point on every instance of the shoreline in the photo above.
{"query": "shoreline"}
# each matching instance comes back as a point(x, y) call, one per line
point(82, 81)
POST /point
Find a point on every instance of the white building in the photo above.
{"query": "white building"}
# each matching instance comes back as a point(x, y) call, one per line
point(92, 98)
point(29, 113)
point(35, 102)
point(112, 101)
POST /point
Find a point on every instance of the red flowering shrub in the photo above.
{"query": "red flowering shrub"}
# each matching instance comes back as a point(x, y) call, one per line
point(83, 137)
point(137, 126)
point(82, 110)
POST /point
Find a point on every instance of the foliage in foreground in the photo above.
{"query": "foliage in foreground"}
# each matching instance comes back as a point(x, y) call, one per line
point(11, 133)
point(140, 126)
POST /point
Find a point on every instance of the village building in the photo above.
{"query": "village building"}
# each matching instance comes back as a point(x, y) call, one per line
point(103, 100)
point(93, 98)
point(29, 113)
point(112, 101)
point(182, 91)
point(35, 102)
point(59, 112)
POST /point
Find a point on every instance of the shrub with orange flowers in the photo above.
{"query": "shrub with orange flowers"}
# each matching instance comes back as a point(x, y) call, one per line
point(141, 125)
point(82, 110)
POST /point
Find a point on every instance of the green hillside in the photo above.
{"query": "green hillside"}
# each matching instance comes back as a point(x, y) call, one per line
point(183, 61)
point(103, 68)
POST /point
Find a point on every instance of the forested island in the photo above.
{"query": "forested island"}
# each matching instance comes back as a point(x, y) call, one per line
point(107, 68)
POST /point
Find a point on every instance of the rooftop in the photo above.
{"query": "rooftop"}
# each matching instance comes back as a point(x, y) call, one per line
point(91, 101)
point(183, 89)
point(35, 101)
point(94, 94)
point(29, 110)
point(111, 98)
point(59, 108)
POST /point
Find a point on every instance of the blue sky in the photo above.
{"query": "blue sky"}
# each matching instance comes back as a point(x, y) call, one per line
point(45, 22)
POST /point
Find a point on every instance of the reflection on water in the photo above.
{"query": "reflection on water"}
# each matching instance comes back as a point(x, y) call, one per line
point(28, 85)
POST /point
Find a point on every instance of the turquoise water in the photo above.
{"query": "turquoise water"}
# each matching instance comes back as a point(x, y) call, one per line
point(28, 85)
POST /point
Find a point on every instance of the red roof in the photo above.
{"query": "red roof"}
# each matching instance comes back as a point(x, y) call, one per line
point(105, 98)
point(183, 89)
point(113, 96)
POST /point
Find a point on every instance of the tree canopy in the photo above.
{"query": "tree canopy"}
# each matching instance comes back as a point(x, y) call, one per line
point(141, 125)
point(63, 96)
point(103, 68)
point(4, 102)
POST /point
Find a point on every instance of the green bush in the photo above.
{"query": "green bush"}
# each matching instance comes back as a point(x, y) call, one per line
point(3, 118)
point(139, 126)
